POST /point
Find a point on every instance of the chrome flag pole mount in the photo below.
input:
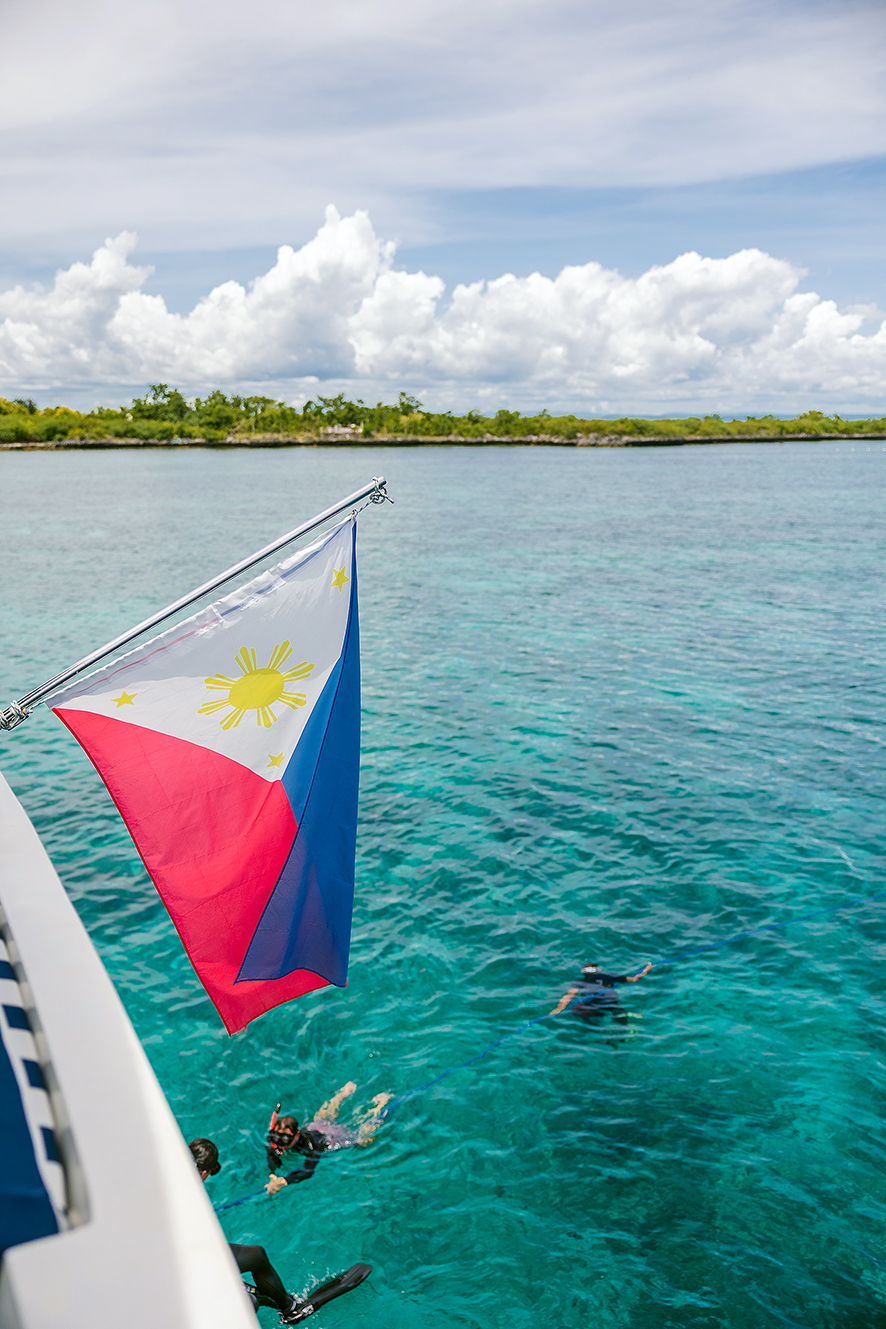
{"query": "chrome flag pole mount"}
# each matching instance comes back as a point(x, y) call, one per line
point(16, 713)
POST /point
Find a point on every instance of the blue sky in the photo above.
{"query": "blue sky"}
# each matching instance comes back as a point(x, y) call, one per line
point(828, 220)
point(482, 138)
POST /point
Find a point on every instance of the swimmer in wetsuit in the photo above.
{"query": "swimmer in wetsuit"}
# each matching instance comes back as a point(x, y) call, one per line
point(598, 994)
point(289, 1137)
point(268, 1289)
point(320, 1136)
point(250, 1259)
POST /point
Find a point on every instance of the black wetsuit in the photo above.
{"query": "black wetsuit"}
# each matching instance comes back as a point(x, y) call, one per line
point(254, 1260)
point(599, 997)
point(311, 1144)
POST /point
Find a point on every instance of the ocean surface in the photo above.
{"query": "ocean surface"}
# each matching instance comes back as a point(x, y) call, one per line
point(617, 705)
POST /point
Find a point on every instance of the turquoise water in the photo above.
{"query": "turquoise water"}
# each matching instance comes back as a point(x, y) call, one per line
point(616, 704)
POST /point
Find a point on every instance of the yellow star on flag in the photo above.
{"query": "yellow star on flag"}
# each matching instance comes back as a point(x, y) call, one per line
point(338, 578)
point(276, 761)
point(126, 699)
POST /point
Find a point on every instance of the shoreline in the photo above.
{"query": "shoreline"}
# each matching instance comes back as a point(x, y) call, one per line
point(444, 440)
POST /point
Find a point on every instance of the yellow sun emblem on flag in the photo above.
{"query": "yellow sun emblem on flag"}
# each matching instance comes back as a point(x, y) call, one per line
point(258, 689)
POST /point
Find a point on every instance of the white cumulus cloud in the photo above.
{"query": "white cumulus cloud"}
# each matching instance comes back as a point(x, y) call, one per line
point(697, 333)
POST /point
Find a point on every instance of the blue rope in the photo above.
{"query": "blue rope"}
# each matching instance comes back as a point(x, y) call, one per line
point(231, 1204)
point(683, 955)
point(770, 927)
point(400, 1099)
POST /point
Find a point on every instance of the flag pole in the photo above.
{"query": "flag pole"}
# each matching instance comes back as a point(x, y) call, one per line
point(18, 711)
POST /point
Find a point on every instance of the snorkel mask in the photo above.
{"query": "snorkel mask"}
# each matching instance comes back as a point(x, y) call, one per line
point(280, 1139)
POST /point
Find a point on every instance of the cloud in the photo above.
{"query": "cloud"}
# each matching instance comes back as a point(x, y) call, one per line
point(697, 332)
point(178, 114)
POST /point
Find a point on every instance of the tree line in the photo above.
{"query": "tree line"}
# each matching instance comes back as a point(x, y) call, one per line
point(164, 413)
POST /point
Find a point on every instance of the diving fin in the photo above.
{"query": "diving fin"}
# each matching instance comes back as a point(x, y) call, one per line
point(337, 1287)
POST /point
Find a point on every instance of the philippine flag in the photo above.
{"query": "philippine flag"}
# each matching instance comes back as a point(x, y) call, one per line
point(231, 747)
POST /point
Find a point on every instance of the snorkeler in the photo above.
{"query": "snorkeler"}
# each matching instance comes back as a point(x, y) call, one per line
point(268, 1289)
point(598, 994)
point(250, 1259)
point(320, 1136)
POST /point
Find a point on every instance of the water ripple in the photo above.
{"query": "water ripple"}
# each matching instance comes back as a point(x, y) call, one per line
point(616, 705)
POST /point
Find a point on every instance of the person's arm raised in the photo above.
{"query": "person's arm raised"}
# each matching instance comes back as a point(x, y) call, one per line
point(643, 972)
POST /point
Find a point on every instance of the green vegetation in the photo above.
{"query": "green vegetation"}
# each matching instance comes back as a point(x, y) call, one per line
point(165, 414)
